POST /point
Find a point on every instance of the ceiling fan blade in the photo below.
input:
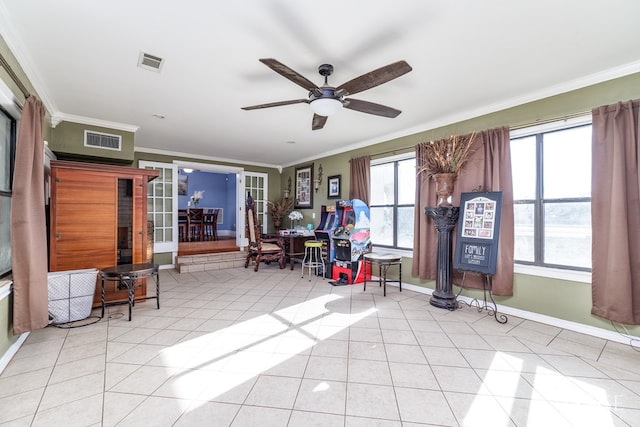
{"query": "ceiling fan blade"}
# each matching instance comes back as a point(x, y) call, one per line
point(373, 78)
point(318, 122)
point(290, 74)
point(371, 108)
point(276, 104)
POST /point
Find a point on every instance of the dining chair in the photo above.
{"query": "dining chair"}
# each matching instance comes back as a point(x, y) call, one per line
point(196, 224)
point(183, 223)
point(211, 224)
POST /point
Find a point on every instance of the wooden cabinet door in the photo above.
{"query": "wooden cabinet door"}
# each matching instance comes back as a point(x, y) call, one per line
point(84, 215)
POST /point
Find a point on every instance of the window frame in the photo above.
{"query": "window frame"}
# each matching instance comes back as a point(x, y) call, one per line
point(395, 160)
point(13, 116)
point(538, 267)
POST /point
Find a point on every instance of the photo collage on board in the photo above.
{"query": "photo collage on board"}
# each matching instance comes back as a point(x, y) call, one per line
point(478, 218)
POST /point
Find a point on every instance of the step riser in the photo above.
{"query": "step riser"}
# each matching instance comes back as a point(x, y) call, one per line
point(208, 262)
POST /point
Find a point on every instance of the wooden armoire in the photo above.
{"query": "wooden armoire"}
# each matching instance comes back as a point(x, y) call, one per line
point(98, 219)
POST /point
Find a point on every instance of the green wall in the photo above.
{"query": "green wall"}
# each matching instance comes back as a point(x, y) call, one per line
point(561, 299)
point(7, 339)
point(67, 141)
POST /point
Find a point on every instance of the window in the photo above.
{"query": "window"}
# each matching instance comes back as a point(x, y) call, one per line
point(552, 197)
point(393, 188)
point(7, 157)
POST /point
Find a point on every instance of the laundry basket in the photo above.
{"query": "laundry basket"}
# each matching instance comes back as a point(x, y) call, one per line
point(71, 294)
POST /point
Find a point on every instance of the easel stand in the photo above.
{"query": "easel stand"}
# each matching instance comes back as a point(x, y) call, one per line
point(492, 308)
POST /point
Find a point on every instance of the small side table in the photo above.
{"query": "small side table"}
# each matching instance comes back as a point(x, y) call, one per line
point(127, 276)
point(384, 261)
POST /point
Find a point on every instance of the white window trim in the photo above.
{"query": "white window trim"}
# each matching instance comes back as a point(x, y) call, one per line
point(553, 273)
point(550, 127)
point(395, 158)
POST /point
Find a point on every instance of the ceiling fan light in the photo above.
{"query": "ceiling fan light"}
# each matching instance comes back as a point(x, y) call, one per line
point(325, 106)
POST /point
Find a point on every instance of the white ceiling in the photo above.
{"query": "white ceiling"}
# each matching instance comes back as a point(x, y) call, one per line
point(469, 57)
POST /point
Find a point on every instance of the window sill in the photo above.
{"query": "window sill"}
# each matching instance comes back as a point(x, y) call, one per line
point(554, 273)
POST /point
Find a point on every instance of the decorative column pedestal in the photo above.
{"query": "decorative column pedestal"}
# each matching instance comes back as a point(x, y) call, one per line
point(445, 219)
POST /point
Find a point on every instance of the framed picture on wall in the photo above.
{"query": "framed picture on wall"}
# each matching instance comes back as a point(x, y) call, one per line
point(304, 187)
point(182, 184)
point(333, 187)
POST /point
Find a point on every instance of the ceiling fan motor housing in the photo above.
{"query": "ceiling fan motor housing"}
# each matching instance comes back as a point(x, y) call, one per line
point(325, 92)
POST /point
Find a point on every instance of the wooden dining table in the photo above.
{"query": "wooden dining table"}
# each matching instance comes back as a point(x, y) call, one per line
point(209, 225)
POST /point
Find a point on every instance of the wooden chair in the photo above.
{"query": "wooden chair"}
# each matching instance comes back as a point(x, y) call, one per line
point(211, 224)
point(183, 223)
point(196, 224)
point(260, 249)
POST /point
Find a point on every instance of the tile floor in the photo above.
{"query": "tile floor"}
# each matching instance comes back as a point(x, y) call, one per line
point(240, 348)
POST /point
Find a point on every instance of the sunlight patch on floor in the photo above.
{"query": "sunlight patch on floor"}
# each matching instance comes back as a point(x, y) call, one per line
point(551, 395)
point(234, 355)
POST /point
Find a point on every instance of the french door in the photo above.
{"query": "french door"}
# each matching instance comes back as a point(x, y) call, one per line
point(162, 205)
point(257, 184)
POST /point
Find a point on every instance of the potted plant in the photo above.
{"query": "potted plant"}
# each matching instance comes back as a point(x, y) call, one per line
point(197, 196)
point(278, 210)
point(442, 160)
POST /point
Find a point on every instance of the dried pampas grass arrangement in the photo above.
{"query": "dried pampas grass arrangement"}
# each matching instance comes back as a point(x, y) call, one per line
point(446, 155)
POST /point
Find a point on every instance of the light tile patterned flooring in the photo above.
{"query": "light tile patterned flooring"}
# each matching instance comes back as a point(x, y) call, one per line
point(240, 348)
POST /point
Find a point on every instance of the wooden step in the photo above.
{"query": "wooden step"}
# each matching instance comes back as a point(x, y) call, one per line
point(224, 244)
point(207, 262)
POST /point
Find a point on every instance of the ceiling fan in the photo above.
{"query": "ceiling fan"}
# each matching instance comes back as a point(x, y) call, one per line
point(326, 100)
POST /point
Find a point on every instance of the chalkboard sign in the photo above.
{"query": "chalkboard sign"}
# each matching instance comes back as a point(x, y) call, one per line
point(478, 232)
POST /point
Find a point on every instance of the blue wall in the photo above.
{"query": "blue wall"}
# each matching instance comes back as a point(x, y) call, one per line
point(219, 192)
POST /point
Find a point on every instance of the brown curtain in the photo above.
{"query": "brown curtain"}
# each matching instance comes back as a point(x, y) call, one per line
point(488, 169)
point(615, 212)
point(28, 229)
point(360, 179)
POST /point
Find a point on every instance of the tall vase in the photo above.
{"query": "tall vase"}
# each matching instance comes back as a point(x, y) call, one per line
point(444, 188)
point(277, 223)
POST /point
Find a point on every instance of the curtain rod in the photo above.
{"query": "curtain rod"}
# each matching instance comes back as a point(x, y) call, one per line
point(515, 127)
point(551, 120)
point(14, 77)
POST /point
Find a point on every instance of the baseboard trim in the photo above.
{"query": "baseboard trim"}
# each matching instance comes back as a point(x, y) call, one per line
point(541, 318)
point(8, 355)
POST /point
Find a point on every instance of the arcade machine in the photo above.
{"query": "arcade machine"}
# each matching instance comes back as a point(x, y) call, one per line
point(324, 233)
point(350, 240)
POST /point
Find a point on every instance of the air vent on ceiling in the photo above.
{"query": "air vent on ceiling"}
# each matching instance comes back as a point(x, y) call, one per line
point(103, 141)
point(150, 62)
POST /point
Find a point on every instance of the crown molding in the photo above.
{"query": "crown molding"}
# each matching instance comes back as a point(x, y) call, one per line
point(63, 117)
point(210, 158)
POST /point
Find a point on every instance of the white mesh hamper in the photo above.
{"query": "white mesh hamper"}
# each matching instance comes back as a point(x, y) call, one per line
point(71, 294)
